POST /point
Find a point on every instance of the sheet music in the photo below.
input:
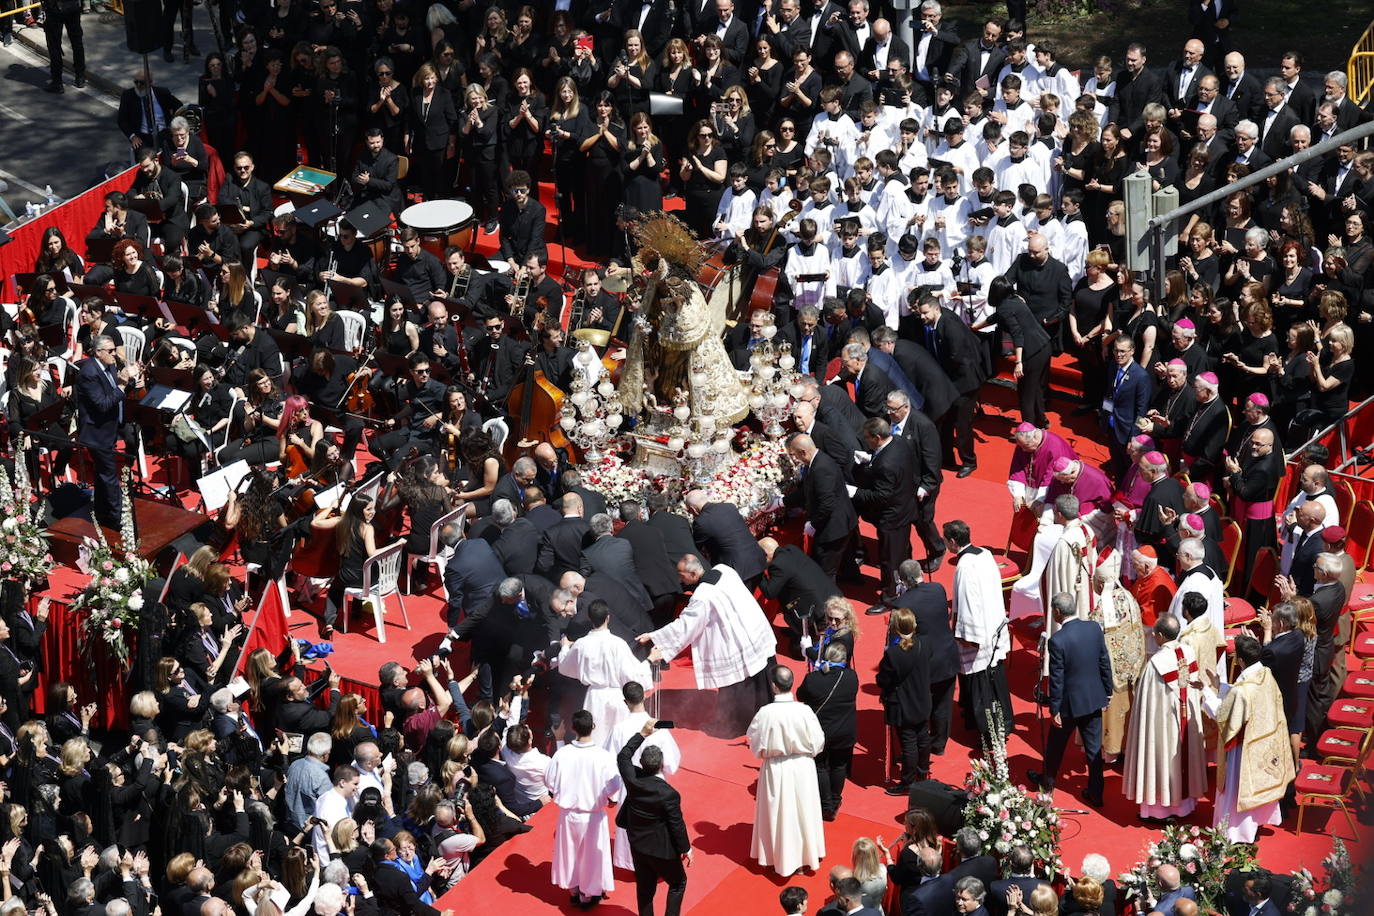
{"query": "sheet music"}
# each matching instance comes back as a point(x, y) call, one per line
point(164, 397)
point(326, 499)
point(216, 487)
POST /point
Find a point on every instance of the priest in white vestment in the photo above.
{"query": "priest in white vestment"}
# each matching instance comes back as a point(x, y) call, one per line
point(583, 779)
point(1025, 594)
point(1166, 763)
point(981, 630)
point(618, 737)
point(1071, 564)
point(1255, 760)
point(789, 833)
point(604, 663)
point(731, 640)
point(1194, 575)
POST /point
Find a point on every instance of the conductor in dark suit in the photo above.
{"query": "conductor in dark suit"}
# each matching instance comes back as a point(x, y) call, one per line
point(100, 409)
point(833, 523)
point(886, 497)
point(133, 111)
point(952, 344)
point(980, 58)
point(1080, 686)
point(651, 817)
point(723, 537)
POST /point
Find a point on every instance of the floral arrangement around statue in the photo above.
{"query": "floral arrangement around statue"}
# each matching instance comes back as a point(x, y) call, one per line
point(1203, 856)
point(1308, 898)
point(111, 602)
point(751, 481)
point(23, 544)
point(1007, 815)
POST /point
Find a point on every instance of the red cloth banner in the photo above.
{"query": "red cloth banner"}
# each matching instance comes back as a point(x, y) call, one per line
point(74, 217)
point(268, 629)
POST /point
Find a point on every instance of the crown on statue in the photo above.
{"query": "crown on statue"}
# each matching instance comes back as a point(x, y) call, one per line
point(662, 236)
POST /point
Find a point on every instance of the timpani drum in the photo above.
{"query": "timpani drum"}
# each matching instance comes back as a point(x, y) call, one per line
point(441, 224)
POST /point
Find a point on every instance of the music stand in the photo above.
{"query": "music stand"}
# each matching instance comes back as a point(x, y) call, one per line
point(348, 296)
point(292, 346)
point(100, 250)
point(54, 336)
point(150, 208)
point(50, 414)
point(232, 214)
point(368, 218)
point(184, 379)
point(24, 281)
point(316, 212)
point(87, 291)
point(400, 291)
point(391, 365)
point(196, 321)
point(144, 306)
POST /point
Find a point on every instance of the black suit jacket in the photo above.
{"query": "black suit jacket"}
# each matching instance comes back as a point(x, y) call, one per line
point(651, 814)
point(933, 898)
point(927, 375)
point(471, 575)
point(658, 25)
point(929, 602)
point(652, 563)
point(874, 387)
point(1301, 569)
point(824, 495)
point(820, 352)
point(1275, 143)
point(517, 547)
point(430, 126)
point(1133, 94)
point(1080, 669)
point(924, 438)
point(996, 900)
point(1283, 656)
point(1303, 101)
point(838, 411)
point(615, 558)
point(722, 536)
point(1248, 96)
point(1171, 77)
point(965, 63)
point(130, 116)
point(560, 548)
point(838, 444)
point(798, 583)
point(904, 681)
point(509, 489)
point(736, 39)
point(677, 535)
point(301, 717)
point(897, 50)
point(957, 350)
point(97, 405)
point(886, 494)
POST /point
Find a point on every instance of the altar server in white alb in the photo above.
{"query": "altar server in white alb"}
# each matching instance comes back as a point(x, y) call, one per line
point(582, 779)
point(789, 832)
point(980, 629)
point(604, 663)
point(618, 737)
point(731, 639)
point(808, 267)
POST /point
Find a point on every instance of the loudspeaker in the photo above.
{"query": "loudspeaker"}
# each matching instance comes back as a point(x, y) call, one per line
point(143, 28)
point(943, 801)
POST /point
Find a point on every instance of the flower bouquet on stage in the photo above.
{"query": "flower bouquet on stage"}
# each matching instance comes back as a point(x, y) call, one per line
point(110, 605)
point(1007, 815)
point(1337, 897)
point(24, 557)
point(1204, 857)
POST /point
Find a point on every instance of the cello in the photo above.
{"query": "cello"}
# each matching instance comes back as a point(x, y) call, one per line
point(539, 404)
point(765, 289)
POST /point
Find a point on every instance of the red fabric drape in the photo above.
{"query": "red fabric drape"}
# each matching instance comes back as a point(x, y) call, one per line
point(74, 217)
point(95, 676)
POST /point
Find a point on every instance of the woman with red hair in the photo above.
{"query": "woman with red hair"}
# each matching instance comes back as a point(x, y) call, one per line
point(299, 436)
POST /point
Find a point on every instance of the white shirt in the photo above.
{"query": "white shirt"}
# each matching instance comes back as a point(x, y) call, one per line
point(331, 807)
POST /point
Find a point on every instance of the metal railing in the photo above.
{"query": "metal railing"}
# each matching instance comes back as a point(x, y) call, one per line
point(1359, 70)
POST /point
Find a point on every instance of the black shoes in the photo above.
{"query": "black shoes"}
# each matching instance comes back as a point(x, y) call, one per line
point(900, 789)
point(54, 88)
point(1036, 778)
point(931, 564)
point(877, 609)
point(966, 470)
point(80, 82)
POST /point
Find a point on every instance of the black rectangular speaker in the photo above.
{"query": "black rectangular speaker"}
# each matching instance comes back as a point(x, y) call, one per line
point(143, 28)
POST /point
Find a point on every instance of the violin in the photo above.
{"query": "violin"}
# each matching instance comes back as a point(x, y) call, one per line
point(360, 399)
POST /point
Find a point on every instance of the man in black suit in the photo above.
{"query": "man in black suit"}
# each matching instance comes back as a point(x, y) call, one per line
point(924, 437)
point(933, 893)
point(676, 531)
point(1328, 663)
point(1211, 23)
point(560, 547)
point(522, 221)
point(882, 46)
point(839, 444)
point(920, 367)
point(299, 715)
point(133, 112)
point(1021, 862)
point(797, 582)
point(1241, 88)
point(1247, 151)
point(1211, 101)
point(517, 544)
point(1284, 645)
point(1300, 98)
point(980, 58)
point(512, 485)
point(1183, 77)
point(1279, 119)
point(830, 517)
point(886, 497)
point(613, 557)
point(253, 196)
point(651, 817)
point(1348, 114)
point(160, 184)
point(933, 47)
point(100, 410)
point(809, 346)
point(729, 28)
point(652, 564)
point(953, 345)
point(929, 602)
point(855, 89)
point(374, 174)
point(790, 29)
point(973, 862)
point(722, 536)
point(868, 384)
point(1309, 521)
point(1080, 686)
point(1136, 87)
point(652, 19)
point(471, 575)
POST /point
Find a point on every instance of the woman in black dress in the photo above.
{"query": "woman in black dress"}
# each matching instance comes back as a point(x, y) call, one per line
point(1275, 193)
point(400, 336)
point(33, 390)
point(56, 257)
point(553, 66)
point(712, 75)
point(1196, 181)
point(1293, 288)
point(132, 274)
point(790, 155)
point(643, 158)
point(253, 432)
point(1332, 374)
point(273, 137)
point(209, 407)
point(629, 79)
point(703, 175)
point(1090, 321)
point(285, 312)
point(480, 134)
point(356, 541)
point(1138, 320)
point(735, 123)
point(1079, 152)
point(570, 125)
point(484, 468)
point(526, 45)
point(322, 326)
point(1106, 172)
point(603, 147)
point(424, 491)
point(432, 120)
point(672, 75)
point(1245, 369)
point(1291, 377)
point(1157, 159)
point(217, 110)
point(801, 93)
point(1251, 265)
point(1201, 264)
point(182, 285)
point(524, 118)
point(763, 80)
point(234, 295)
point(388, 103)
point(1222, 329)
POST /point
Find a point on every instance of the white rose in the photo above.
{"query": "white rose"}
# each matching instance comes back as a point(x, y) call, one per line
point(121, 574)
point(1333, 898)
point(1187, 852)
point(10, 523)
point(136, 601)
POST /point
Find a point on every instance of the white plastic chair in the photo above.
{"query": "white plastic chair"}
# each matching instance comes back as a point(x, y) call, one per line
point(133, 341)
point(438, 554)
point(71, 316)
point(381, 577)
point(234, 403)
point(498, 430)
point(355, 328)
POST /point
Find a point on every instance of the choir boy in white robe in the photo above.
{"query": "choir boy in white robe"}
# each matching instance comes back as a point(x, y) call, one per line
point(820, 209)
point(618, 737)
point(809, 259)
point(992, 147)
point(884, 286)
point(731, 640)
point(848, 257)
point(736, 208)
point(1044, 223)
point(949, 214)
point(832, 128)
point(1006, 234)
point(1166, 760)
point(604, 663)
point(981, 630)
point(789, 832)
point(1075, 240)
point(1019, 167)
point(776, 196)
point(958, 153)
point(583, 779)
point(930, 274)
point(874, 133)
point(1015, 113)
point(1056, 78)
point(1102, 87)
point(911, 152)
point(939, 115)
point(855, 207)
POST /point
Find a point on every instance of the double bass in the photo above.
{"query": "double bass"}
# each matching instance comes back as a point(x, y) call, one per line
point(766, 283)
point(538, 403)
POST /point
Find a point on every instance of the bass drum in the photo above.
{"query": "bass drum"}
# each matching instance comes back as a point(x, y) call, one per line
point(442, 224)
